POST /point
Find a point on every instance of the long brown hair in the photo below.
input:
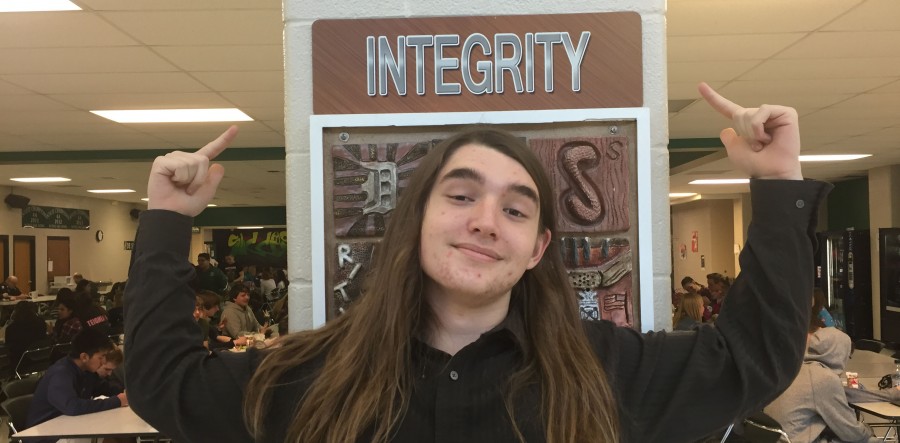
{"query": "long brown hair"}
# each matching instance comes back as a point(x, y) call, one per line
point(366, 379)
point(691, 306)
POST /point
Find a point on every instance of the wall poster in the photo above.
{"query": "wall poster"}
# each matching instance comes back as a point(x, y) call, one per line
point(596, 160)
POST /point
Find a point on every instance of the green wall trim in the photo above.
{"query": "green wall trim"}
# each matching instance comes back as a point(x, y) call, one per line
point(130, 155)
point(687, 143)
point(243, 216)
point(848, 205)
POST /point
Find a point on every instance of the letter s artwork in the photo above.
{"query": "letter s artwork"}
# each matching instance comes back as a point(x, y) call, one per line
point(591, 176)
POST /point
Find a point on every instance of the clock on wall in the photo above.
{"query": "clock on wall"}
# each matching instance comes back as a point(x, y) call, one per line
point(99, 235)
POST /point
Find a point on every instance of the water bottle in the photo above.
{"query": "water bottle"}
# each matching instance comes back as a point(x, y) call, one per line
point(895, 378)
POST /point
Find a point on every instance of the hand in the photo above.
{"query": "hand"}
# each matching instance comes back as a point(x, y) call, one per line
point(223, 323)
point(185, 182)
point(240, 341)
point(765, 141)
point(123, 399)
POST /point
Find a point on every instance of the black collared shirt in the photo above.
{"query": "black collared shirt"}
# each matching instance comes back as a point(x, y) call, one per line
point(670, 387)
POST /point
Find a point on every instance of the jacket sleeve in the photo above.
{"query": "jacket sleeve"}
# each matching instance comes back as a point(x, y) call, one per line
point(831, 404)
point(61, 394)
point(174, 383)
point(682, 386)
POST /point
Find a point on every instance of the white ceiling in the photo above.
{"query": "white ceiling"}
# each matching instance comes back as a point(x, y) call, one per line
point(836, 61)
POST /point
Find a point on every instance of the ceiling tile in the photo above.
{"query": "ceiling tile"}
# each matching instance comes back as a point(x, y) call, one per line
point(778, 69)
point(107, 142)
point(890, 88)
point(266, 113)
point(224, 58)
point(695, 72)
point(722, 47)
point(255, 99)
point(71, 28)
point(871, 15)
point(199, 28)
point(242, 81)
point(12, 143)
point(30, 102)
point(100, 83)
point(202, 130)
point(790, 88)
point(9, 88)
point(687, 90)
point(78, 60)
point(165, 5)
point(276, 125)
point(144, 101)
point(751, 17)
point(845, 45)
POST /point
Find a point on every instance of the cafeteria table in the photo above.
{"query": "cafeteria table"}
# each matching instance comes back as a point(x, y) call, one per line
point(118, 422)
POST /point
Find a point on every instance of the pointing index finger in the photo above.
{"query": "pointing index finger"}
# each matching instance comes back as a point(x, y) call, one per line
point(723, 105)
point(215, 147)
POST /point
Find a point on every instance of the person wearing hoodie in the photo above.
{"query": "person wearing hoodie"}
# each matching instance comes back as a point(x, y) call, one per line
point(815, 407)
point(237, 315)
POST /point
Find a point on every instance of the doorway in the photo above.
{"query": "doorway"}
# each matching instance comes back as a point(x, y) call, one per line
point(57, 257)
point(23, 261)
point(4, 250)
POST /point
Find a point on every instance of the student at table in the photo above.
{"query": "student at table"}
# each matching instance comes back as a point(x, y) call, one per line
point(25, 329)
point(67, 389)
point(237, 316)
point(468, 329)
point(815, 407)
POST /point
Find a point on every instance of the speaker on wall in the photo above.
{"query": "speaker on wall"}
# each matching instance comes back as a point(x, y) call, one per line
point(135, 213)
point(16, 201)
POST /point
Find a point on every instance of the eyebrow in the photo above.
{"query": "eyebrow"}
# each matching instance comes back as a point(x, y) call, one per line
point(471, 174)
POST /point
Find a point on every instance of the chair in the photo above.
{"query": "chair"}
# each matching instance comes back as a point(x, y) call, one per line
point(17, 410)
point(757, 428)
point(33, 361)
point(18, 388)
point(868, 345)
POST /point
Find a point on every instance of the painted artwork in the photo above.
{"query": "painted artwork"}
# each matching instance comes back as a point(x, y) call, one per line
point(353, 260)
point(600, 271)
point(367, 180)
point(590, 176)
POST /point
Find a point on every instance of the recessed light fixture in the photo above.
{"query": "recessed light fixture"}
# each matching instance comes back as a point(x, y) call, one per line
point(721, 181)
point(37, 5)
point(249, 227)
point(145, 199)
point(681, 194)
point(211, 205)
point(41, 179)
point(175, 115)
point(832, 157)
point(110, 191)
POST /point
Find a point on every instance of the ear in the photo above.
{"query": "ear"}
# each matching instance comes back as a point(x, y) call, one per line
point(84, 356)
point(540, 245)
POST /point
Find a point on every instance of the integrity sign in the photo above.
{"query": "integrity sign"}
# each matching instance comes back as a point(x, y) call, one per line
point(446, 64)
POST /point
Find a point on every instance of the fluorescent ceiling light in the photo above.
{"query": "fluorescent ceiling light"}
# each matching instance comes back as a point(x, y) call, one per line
point(145, 199)
point(175, 115)
point(249, 227)
point(832, 157)
point(681, 194)
point(41, 179)
point(721, 181)
point(110, 191)
point(211, 205)
point(37, 5)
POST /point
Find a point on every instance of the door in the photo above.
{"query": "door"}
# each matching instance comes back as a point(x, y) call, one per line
point(889, 258)
point(23, 261)
point(4, 255)
point(58, 254)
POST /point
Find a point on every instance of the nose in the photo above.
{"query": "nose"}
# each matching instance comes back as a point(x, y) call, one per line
point(484, 217)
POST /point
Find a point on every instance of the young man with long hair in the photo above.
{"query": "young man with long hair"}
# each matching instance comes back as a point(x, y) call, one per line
point(467, 329)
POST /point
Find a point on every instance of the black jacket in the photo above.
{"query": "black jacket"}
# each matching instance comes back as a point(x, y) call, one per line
point(673, 387)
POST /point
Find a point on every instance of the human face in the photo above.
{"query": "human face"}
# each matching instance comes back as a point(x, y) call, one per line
point(480, 229)
point(208, 313)
point(202, 263)
point(93, 362)
point(64, 312)
point(107, 369)
point(198, 312)
point(242, 299)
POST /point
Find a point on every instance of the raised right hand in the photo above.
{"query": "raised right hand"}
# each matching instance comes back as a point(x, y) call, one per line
point(185, 182)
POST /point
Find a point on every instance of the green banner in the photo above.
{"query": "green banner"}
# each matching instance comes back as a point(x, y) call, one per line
point(55, 218)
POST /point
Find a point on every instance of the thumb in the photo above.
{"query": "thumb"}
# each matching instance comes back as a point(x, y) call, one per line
point(730, 138)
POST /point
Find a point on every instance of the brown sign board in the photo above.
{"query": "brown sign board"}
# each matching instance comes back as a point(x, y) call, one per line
point(489, 63)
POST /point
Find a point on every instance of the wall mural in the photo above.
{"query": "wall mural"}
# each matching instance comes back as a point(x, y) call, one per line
point(591, 176)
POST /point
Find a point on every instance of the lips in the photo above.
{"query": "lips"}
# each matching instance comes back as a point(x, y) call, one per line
point(478, 252)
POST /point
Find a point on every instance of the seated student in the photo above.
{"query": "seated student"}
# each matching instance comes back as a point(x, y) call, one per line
point(24, 330)
point(689, 314)
point(213, 337)
point(815, 407)
point(237, 315)
point(67, 323)
point(66, 388)
point(109, 381)
point(718, 289)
